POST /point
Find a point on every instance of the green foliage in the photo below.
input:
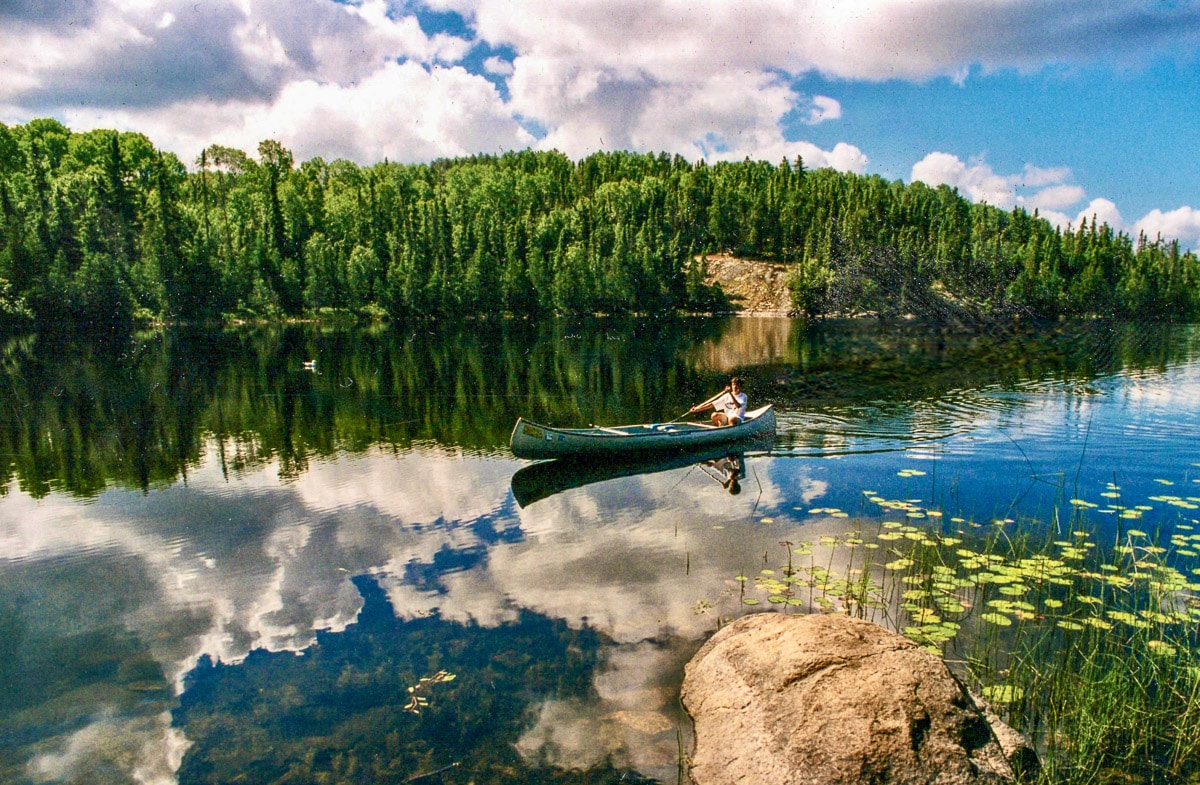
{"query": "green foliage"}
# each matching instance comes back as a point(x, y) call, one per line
point(809, 282)
point(529, 233)
point(100, 295)
point(13, 310)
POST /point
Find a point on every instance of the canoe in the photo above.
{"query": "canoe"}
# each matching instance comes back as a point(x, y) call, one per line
point(531, 440)
point(540, 480)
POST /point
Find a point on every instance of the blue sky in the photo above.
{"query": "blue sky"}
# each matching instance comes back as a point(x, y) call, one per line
point(1069, 107)
point(1124, 134)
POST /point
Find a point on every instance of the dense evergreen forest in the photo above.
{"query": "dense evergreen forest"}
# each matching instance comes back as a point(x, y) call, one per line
point(100, 228)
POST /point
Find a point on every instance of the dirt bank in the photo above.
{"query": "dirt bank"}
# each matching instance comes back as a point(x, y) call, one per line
point(753, 287)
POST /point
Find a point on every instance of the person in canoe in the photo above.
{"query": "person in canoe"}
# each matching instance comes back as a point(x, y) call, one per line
point(729, 406)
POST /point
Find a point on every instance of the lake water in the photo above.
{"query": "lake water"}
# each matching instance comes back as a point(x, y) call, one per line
point(307, 555)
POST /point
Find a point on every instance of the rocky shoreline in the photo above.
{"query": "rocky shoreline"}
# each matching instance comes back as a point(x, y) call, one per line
point(833, 700)
point(753, 287)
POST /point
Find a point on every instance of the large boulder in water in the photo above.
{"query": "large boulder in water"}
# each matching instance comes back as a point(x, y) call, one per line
point(825, 700)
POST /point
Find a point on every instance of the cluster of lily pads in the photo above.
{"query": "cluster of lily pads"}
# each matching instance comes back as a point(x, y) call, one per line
point(1085, 633)
point(935, 582)
point(1114, 506)
point(417, 699)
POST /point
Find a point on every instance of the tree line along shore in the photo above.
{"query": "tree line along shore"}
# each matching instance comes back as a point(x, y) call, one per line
point(102, 229)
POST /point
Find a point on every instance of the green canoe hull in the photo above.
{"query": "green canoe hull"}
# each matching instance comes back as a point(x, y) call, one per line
point(534, 441)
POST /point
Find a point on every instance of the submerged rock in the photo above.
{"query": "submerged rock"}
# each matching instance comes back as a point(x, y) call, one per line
point(825, 700)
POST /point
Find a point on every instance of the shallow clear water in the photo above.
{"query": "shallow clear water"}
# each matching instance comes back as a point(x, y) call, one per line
point(216, 561)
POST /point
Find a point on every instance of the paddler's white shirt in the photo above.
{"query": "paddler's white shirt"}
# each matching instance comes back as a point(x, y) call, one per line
point(734, 405)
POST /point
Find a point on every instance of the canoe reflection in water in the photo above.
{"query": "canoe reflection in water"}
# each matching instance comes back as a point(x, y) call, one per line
point(725, 463)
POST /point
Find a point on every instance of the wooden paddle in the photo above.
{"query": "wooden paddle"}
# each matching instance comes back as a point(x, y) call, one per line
point(702, 403)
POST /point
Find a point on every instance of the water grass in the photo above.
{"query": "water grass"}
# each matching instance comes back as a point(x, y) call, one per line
point(1089, 648)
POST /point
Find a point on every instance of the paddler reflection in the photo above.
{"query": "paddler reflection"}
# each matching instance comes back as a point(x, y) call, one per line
point(729, 470)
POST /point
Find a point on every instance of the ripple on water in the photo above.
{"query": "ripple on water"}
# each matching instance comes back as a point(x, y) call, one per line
point(894, 425)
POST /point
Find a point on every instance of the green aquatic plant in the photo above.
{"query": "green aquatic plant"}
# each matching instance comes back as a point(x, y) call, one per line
point(418, 691)
point(1090, 648)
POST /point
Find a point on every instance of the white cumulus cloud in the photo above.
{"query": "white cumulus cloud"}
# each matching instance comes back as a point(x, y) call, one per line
point(498, 66)
point(404, 112)
point(976, 181)
point(823, 108)
point(1181, 224)
point(872, 39)
point(1051, 197)
point(1034, 188)
point(1103, 210)
point(1035, 176)
point(1056, 197)
point(726, 115)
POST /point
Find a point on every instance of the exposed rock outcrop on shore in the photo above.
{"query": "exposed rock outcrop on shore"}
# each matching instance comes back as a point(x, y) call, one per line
point(831, 700)
point(759, 288)
point(752, 287)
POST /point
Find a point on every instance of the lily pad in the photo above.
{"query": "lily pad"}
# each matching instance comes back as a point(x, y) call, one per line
point(1002, 694)
point(1161, 648)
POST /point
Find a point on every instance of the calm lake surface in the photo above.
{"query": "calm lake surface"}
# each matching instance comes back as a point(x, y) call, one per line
point(220, 564)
